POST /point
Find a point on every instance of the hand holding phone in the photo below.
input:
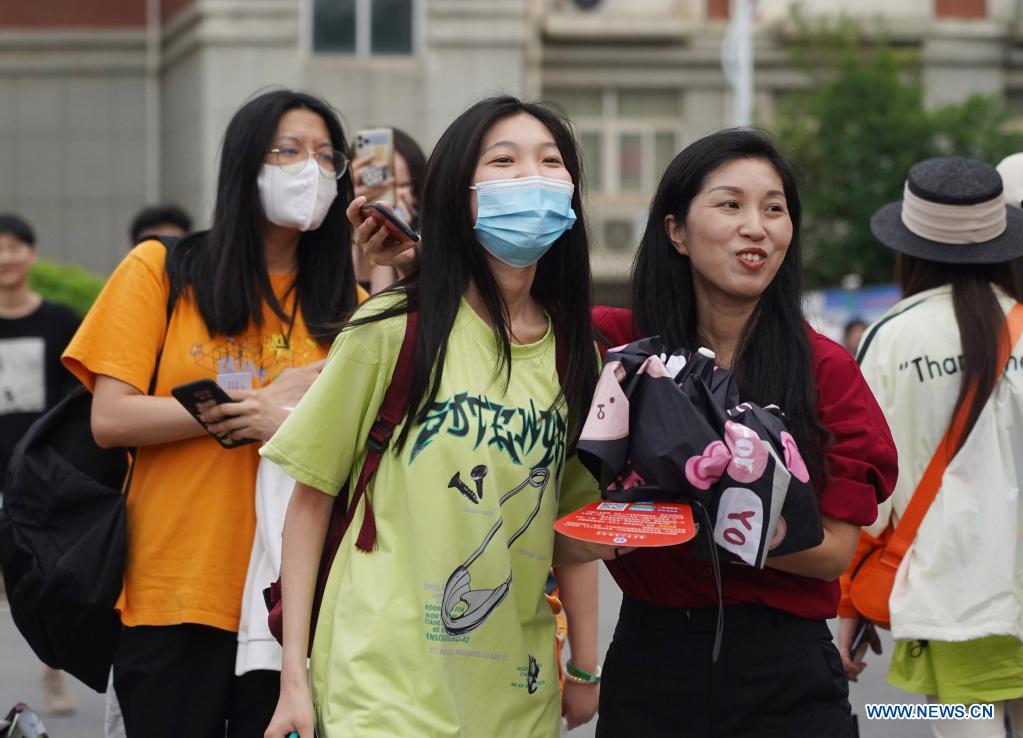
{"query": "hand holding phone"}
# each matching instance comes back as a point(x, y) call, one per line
point(394, 225)
point(200, 396)
point(865, 637)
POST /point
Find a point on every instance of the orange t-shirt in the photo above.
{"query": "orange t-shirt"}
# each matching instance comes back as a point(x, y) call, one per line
point(191, 507)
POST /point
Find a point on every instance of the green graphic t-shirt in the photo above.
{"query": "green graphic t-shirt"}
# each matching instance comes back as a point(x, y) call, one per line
point(443, 629)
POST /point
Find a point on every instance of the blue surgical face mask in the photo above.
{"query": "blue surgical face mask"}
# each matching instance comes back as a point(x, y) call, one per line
point(517, 220)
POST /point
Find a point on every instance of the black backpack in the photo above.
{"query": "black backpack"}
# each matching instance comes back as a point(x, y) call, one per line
point(63, 534)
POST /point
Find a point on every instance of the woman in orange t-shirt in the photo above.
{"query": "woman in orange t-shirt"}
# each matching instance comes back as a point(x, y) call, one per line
point(252, 299)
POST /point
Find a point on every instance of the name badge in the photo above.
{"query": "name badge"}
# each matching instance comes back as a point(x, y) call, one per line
point(235, 381)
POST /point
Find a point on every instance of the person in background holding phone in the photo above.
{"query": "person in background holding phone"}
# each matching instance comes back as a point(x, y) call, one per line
point(252, 299)
point(957, 603)
point(442, 629)
point(407, 184)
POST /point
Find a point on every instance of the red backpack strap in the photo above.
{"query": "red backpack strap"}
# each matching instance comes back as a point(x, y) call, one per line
point(392, 412)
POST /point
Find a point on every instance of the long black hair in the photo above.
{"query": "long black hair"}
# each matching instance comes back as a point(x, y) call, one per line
point(225, 267)
point(772, 363)
point(978, 315)
point(414, 157)
point(452, 257)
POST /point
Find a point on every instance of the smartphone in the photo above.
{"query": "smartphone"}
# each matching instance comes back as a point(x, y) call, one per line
point(378, 143)
point(392, 222)
point(861, 640)
point(200, 396)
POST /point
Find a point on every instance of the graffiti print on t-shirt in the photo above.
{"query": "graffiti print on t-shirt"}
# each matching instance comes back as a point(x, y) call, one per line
point(264, 357)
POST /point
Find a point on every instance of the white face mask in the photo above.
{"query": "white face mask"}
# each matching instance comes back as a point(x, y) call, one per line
point(296, 200)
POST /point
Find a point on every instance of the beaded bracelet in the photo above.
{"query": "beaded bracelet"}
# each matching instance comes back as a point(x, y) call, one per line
point(577, 676)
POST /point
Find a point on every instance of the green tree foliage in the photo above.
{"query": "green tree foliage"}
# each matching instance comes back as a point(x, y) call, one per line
point(856, 131)
point(65, 284)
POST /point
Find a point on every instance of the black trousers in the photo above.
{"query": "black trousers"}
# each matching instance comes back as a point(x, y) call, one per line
point(178, 680)
point(777, 676)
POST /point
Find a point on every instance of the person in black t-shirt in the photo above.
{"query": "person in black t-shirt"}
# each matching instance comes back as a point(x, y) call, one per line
point(33, 334)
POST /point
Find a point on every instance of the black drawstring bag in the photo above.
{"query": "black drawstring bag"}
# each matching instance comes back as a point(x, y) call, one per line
point(679, 433)
point(63, 530)
point(668, 426)
point(62, 538)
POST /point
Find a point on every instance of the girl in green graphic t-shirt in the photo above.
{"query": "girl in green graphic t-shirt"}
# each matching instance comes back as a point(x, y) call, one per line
point(442, 629)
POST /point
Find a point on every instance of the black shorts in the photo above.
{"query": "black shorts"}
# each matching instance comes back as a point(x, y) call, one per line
point(777, 675)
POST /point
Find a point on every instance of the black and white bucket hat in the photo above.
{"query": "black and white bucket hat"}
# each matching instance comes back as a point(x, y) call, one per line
point(952, 211)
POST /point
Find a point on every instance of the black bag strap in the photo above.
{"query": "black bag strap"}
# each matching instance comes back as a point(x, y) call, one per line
point(169, 242)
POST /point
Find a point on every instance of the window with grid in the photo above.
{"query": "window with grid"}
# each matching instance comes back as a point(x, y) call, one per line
point(384, 27)
point(627, 136)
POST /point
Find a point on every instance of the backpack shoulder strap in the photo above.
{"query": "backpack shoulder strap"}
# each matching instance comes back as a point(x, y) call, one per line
point(392, 411)
point(169, 242)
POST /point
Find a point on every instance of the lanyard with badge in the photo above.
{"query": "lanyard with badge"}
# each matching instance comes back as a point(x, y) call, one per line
point(242, 380)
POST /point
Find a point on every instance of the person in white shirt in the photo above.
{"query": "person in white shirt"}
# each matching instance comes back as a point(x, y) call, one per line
point(957, 602)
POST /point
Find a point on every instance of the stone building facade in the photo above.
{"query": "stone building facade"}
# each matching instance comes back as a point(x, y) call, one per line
point(106, 105)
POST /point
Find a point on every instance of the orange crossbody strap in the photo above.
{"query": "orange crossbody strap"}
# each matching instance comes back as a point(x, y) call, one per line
point(930, 483)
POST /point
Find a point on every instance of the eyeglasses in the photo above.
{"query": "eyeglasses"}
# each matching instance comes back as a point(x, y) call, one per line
point(292, 159)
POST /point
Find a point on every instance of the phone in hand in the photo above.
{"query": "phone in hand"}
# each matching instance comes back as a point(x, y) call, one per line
point(197, 397)
point(378, 143)
point(864, 634)
point(395, 225)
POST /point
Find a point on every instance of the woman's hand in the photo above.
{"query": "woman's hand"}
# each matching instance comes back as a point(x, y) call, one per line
point(381, 246)
point(853, 664)
point(259, 413)
point(579, 703)
point(294, 713)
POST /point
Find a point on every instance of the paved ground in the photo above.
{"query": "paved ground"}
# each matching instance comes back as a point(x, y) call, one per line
point(19, 681)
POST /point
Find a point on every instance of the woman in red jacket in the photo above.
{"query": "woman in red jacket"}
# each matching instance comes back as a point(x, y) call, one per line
point(720, 266)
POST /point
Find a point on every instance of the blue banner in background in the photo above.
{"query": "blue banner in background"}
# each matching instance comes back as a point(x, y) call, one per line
point(830, 310)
